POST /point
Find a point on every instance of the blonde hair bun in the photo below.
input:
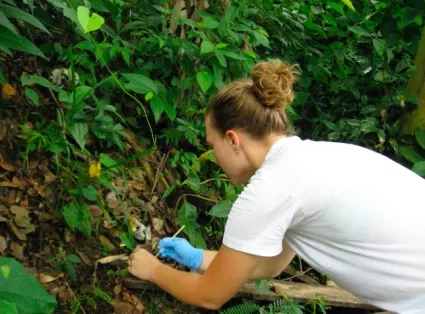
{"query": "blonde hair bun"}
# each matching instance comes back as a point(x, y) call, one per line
point(273, 83)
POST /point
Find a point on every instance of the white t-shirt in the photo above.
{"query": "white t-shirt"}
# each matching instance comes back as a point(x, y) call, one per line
point(351, 213)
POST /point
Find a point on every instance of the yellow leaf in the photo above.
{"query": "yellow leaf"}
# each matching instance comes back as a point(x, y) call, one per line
point(94, 170)
point(208, 155)
point(7, 91)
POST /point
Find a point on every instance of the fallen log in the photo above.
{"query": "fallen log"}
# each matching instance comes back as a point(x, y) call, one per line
point(333, 296)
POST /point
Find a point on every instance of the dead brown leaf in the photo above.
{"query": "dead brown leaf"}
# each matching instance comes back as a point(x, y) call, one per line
point(158, 225)
point(20, 235)
point(86, 260)
point(138, 306)
point(112, 258)
point(49, 178)
point(42, 216)
point(95, 210)
point(111, 200)
point(33, 164)
point(8, 184)
point(21, 184)
point(5, 165)
point(43, 191)
point(46, 278)
point(117, 289)
point(65, 296)
point(122, 307)
point(22, 219)
point(105, 242)
point(3, 245)
point(17, 251)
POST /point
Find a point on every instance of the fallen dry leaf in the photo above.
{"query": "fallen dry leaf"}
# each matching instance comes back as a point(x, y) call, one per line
point(111, 200)
point(3, 245)
point(65, 296)
point(95, 210)
point(112, 258)
point(5, 165)
point(84, 258)
point(8, 184)
point(17, 251)
point(22, 219)
point(18, 182)
point(46, 278)
point(138, 307)
point(42, 216)
point(121, 306)
point(49, 177)
point(20, 235)
point(158, 225)
point(117, 289)
point(106, 243)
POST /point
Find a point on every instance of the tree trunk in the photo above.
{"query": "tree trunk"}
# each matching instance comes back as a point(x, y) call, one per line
point(416, 90)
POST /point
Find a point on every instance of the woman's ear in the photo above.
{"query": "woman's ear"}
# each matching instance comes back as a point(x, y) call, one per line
point(234, 140)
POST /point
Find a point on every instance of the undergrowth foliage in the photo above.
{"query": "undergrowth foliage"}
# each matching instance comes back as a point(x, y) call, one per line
point(141, 69)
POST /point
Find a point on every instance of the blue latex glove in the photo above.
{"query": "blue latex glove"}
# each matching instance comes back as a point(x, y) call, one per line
point(180, 250)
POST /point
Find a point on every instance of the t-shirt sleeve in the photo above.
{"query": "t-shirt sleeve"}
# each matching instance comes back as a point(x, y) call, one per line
point(258, 219)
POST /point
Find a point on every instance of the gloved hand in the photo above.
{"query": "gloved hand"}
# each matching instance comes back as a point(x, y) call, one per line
point(180, 250)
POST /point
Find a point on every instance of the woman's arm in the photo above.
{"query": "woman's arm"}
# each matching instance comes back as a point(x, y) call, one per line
point(270, 267)
point(225, 275)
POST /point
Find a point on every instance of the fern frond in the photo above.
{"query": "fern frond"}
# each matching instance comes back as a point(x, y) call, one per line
point(245, 308)
point(99, 293)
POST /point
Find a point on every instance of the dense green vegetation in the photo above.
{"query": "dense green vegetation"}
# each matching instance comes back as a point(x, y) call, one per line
point(113, 92)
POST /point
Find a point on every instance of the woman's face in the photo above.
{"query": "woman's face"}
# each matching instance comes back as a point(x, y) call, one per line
point(229, 153)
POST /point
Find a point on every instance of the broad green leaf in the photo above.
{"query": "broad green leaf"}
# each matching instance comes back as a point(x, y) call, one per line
point(221, 45)
point(10, 40)
point(358, 30)
point(168, 191)
point(349, 4)
point(419, 168)
point(204, 80)
point(193, 182)
point(20, 287)
point(221, 59)
point(6, 23)
point(411, 155)
point(89, 22)
point(140, 83)
point(78, 216)
point(90, 193)
point(231, 13)
point(32, 95)
point(210, 22)
point(18, 14)
point(379, 45)
point(235, 55)
point(187, 216)
point(336, 7)
point(420, 137)
point(207, 46)
point(157, 106)
point(128, 240)
point(261, 38)
point(262, 286)
point(80, 132)
point(42, 81)
point(170, 111)
point(7, 307)
point(81, 93)
point(221, 210)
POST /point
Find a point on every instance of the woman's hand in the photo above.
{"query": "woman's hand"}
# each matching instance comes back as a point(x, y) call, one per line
point(180, 250)
point(142, 264)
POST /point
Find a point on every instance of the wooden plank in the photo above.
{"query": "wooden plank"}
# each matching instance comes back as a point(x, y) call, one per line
point(333, 296)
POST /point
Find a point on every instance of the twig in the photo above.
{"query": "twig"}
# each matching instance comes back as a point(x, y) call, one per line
point(178, 231)
point(73, 295)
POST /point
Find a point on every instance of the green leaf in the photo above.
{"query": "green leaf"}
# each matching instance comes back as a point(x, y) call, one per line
point(89, 23)
point(204, 80)
point(170, 111)
point(78, 216)
point(42, 81)
point(262, 286)
point(419, 168)
point(80, 132)
point(73, 259)
point(32, 95)
point(20, 287)
point(221, 210)
point(336, 7)
point(128, 240)
point(193, 182)
point(349, 4)
point(261, 38)
point(420, 137)
point(157, 106)
point(206, 47)
point(410, 154)
point(90, 193)
point(6, 23)
point(210, 22)
point(7, 307)
point(221, 59)
point(18, 14)
point(140, 83)
point(187, 216)
point(10, 40)
point(358, 30)
point(231, 13)
point(379, 45)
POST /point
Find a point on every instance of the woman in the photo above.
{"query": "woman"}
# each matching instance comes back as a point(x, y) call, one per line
point(349, 212)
